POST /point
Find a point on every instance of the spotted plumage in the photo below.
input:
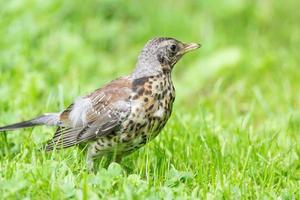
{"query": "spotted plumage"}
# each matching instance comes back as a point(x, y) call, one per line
point(125, 114)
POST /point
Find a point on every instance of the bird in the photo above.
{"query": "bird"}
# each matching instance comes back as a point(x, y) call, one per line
point(123, 115)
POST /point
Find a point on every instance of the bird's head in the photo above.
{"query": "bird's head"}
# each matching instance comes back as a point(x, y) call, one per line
point(160, 55)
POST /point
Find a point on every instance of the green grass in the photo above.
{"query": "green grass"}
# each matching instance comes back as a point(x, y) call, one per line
point(235, 128)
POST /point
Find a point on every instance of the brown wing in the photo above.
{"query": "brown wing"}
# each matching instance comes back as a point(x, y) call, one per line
point(97, 114)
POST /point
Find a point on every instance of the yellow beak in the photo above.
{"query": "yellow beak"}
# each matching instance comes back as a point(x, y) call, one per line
point(190, 47)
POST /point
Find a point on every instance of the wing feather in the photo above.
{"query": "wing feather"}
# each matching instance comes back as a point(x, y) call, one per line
point(109, 106)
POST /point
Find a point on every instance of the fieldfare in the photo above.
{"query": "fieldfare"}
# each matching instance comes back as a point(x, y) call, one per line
point(124, 114)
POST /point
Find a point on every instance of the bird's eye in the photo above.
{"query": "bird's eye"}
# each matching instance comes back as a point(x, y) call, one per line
point(173, 47)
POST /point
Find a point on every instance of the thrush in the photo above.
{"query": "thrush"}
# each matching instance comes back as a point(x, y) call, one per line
point(126, 113)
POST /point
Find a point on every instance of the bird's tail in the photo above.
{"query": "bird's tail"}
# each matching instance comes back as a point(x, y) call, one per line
point(51, 119)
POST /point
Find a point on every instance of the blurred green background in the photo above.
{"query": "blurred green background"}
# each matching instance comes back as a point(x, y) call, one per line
point(235, 126)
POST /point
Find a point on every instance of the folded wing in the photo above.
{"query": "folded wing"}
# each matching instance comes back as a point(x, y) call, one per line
point(97, 114)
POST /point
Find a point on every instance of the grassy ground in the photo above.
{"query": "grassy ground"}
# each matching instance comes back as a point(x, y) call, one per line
point(235, 129)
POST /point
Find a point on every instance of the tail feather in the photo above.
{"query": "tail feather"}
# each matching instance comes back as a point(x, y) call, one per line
point(51, 119)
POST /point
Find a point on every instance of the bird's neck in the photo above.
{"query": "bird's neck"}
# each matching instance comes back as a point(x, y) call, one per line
point(149, 65)
point(145, 72)
point(145, 68)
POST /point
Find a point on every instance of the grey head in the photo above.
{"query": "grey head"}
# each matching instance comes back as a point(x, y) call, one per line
point(160, 55)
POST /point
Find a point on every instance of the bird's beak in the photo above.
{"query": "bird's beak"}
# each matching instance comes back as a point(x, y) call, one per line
point(189, 47)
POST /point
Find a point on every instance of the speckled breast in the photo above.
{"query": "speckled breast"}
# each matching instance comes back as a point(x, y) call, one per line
point(151, 107)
